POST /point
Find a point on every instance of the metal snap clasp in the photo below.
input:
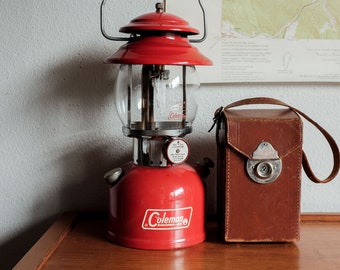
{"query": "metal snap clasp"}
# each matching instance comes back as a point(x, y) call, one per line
point(265, 165)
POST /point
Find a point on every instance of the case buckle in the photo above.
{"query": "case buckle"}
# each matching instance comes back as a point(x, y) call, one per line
point(265, 165)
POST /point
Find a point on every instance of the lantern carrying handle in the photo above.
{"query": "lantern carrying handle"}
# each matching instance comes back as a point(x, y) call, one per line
point(102, 27)
point(114, 38)
point(204, 35)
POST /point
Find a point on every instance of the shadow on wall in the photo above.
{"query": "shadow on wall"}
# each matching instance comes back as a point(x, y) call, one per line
point(72, 107)
point(78, 89)
point(80, 92)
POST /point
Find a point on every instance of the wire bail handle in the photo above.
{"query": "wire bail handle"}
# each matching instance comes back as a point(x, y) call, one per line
point(114, 38)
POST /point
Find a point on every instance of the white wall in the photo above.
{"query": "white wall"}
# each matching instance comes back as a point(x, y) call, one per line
point(60, 132)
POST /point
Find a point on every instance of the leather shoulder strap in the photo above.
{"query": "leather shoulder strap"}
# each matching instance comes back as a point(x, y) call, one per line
point(305, 163)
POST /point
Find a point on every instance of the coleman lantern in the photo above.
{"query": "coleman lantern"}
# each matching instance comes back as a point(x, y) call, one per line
point(157, 201)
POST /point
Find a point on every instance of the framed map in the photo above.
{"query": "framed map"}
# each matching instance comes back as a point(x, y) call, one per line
point(267, 41)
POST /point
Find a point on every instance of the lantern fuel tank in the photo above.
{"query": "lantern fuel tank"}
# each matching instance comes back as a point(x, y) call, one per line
point(157, 208)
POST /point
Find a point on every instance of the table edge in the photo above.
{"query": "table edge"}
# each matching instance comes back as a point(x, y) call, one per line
point(36, 257)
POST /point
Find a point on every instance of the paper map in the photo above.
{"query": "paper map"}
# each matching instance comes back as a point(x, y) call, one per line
point(261, 40)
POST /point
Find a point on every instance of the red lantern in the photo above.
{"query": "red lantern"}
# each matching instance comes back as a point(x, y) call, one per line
point(157, 201)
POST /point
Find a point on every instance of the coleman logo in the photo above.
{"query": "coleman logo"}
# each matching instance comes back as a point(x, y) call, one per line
point(176, 112)
point(176, 116)
point(167, 219)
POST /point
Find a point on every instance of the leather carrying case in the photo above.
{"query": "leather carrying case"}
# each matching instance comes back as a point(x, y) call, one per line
point(259, 171)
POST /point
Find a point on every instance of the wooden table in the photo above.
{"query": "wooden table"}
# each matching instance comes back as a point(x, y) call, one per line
point(78, 242)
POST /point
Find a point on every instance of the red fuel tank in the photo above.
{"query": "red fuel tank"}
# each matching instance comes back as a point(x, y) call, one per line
point(157, 208)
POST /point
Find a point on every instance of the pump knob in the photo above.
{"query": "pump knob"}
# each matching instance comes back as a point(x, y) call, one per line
point(112, 176)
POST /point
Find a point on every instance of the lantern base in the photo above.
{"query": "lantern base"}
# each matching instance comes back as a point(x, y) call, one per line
point(157, 208)
point(155, 244)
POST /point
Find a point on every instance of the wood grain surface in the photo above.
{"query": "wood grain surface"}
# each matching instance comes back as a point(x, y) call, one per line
point(79, 242)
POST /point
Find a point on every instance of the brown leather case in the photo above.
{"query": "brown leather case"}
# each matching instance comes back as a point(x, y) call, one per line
point(259, 165)
point(253, 211)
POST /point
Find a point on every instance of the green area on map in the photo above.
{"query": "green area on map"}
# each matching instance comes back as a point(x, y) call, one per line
point(282, 19)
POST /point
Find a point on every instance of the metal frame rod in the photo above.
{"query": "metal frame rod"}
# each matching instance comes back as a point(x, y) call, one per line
point(184, 106)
